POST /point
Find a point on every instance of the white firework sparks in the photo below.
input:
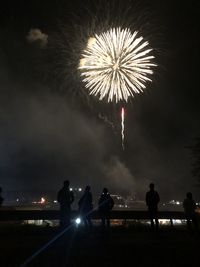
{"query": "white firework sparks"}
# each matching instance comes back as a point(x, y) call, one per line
point(116, 64)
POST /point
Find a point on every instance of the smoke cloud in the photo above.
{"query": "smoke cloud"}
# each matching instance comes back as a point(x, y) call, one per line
point(37, 36)
point(120, 177)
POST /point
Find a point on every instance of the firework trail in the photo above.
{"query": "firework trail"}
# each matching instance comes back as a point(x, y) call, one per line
point(122, 127)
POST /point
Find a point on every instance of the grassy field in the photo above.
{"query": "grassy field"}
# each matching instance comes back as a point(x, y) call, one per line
point(135, 245)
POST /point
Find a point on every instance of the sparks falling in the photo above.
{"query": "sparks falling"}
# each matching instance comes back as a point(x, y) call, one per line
point(122, 127)
point(115, 64)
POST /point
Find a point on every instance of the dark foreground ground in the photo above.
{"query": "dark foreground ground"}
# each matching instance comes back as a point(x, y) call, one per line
point(122, 246)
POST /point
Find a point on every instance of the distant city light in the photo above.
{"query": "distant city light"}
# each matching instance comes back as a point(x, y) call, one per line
point(55, 201)
point(164, 221)
point(174, 202)
point(43, 200)
point(79, 189)
point(177, 221)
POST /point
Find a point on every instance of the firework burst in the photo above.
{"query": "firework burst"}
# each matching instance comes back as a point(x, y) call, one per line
point(116, 64)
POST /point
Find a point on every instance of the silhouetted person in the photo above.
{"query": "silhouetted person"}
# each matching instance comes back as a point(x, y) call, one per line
point(86, 206)
point(189, 206)
point(152, 200)
point(105, 204)
point(65, 197)
point(1, 198)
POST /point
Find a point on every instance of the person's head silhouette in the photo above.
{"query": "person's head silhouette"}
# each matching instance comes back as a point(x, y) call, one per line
point(66, 183)
point(105, 191)
point(189, 195)
point(87, 188)
point(151, 186)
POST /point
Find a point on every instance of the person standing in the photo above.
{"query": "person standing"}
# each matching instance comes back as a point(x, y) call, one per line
point(152, 200)
point(85, 207)
point(1, 198)
point(65, 198)
point(105, 206)
point(189, 206)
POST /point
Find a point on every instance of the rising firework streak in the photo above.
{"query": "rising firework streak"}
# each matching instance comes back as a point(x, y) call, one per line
point(122, 127)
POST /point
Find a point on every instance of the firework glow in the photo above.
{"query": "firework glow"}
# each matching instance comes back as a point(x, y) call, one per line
point(116, 64)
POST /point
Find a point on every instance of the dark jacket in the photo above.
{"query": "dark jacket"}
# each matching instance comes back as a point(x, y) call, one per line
point(189, 206)
point(152, 199)
point(65, 197)
point(85, 203)
point(106, 203)
point(1, 200)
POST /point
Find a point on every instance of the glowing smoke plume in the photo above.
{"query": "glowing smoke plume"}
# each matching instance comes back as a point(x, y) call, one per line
point(116, 64)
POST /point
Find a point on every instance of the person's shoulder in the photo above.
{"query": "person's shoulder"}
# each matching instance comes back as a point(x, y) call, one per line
point(101, 199)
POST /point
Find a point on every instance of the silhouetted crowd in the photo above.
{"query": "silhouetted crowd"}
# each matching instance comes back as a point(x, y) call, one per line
point(105, 204)
point(65, 198)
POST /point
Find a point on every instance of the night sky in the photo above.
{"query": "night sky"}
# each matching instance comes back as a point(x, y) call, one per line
point(52, 130)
